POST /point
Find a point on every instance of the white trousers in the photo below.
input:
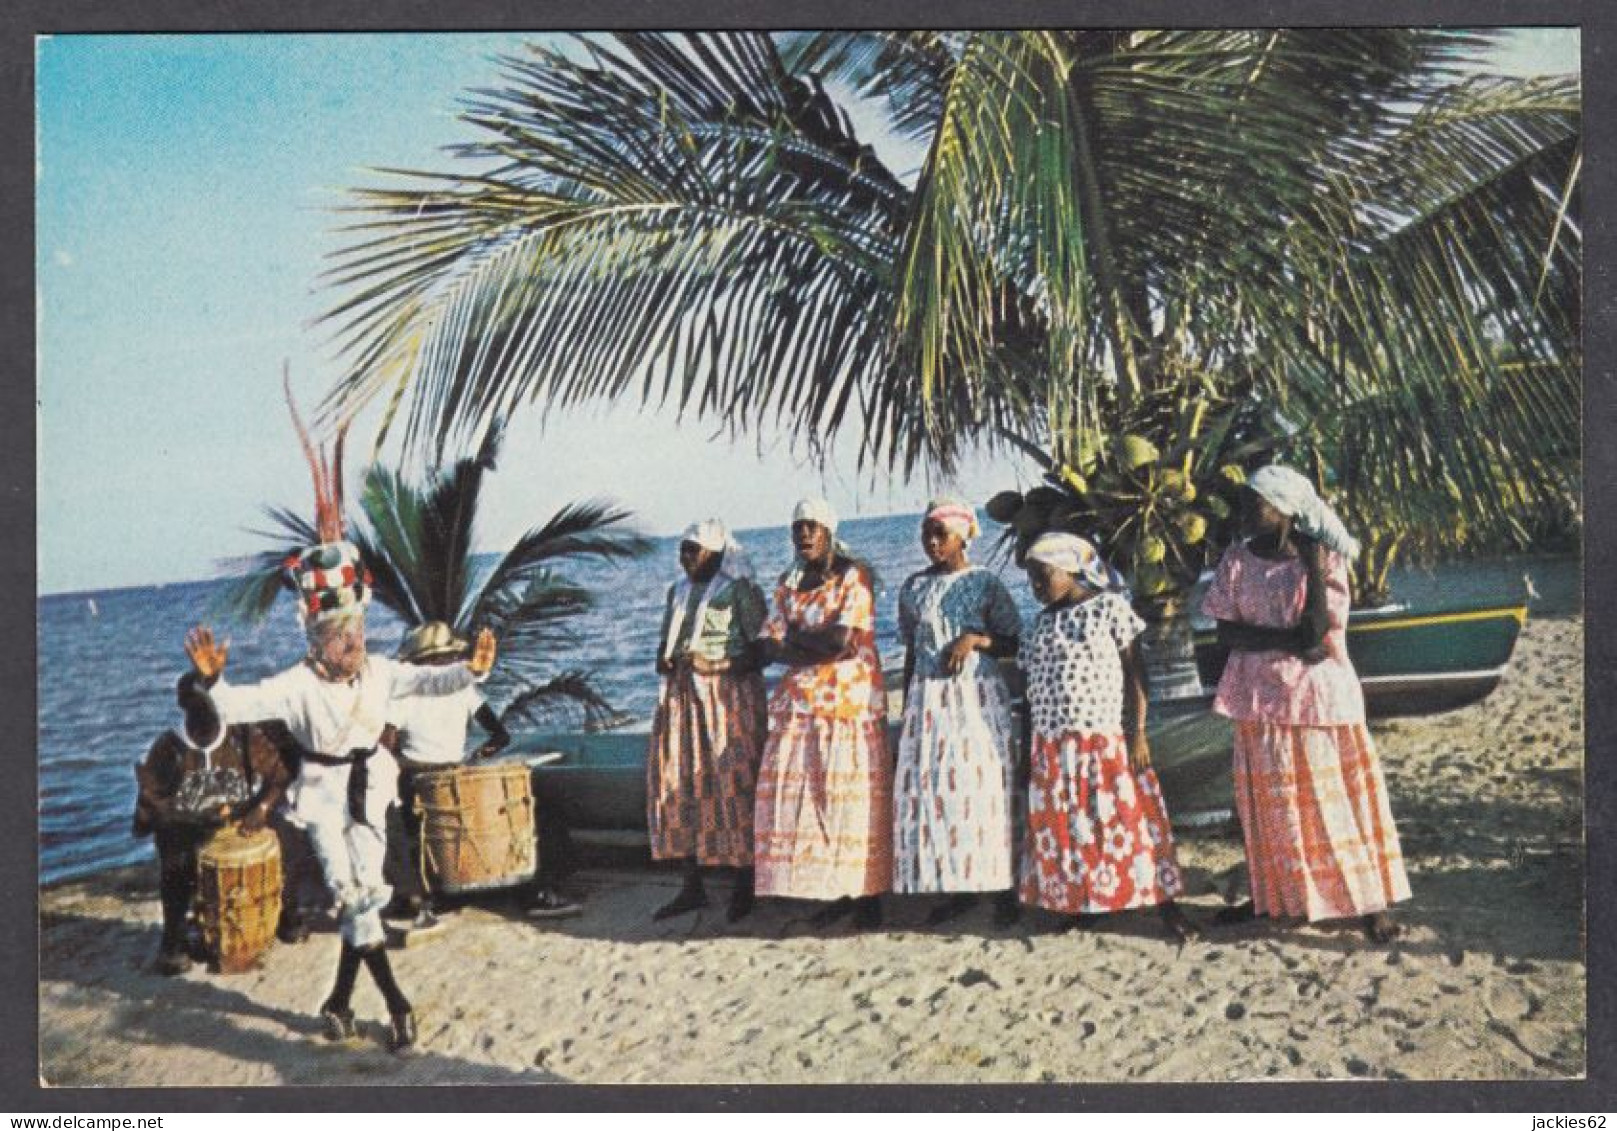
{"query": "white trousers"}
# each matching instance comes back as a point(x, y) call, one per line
point(351, 855)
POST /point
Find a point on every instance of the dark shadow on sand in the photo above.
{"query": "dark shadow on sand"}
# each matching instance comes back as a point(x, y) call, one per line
point(201, 1011)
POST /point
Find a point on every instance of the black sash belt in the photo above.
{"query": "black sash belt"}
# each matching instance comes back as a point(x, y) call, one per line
point(358, 777)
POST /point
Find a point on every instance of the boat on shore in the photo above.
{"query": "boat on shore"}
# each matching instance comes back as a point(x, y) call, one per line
point(1411, 661)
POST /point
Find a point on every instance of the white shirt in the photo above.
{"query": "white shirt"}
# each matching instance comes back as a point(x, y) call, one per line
point(433, 728)
point(334, 718)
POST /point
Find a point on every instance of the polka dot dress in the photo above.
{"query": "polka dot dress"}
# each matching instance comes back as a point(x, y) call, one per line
point(1098, 838)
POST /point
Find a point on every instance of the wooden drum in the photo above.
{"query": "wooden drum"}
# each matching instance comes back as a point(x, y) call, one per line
point(477, 827)
point(239, 895)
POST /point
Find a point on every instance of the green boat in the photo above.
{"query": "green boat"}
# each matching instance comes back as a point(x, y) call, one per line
point(1410, 662)
point(1413, 662)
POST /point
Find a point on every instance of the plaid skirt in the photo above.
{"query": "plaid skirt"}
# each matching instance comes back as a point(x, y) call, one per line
point(701, 767)
point(1320, 839)
point(825, 808)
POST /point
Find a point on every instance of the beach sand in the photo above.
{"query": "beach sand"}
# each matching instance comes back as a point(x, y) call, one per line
point(1488, 982)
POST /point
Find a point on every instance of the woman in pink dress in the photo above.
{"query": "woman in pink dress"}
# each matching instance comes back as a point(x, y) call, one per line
point(1320, 839)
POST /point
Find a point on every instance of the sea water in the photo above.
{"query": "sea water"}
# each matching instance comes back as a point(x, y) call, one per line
point(108, 660)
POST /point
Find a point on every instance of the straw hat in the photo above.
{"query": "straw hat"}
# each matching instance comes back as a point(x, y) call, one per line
point(430, 640)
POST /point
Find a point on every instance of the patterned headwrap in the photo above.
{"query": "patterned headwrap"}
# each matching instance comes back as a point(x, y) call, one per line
point(1077, 556)
point(710, 534)
point(1292, 494)
point(955, 516)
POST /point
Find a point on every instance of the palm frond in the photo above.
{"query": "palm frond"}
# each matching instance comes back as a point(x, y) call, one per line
point(675, 218)
point(561, 699)
point(260, 578)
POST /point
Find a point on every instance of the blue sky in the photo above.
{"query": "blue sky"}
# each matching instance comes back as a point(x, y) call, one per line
point(184, 193)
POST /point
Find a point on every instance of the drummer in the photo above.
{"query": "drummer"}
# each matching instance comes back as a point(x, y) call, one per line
point(431, 735)
point(195, 779)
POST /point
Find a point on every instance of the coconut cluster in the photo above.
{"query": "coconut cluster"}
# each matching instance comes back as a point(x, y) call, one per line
point(1159, 518)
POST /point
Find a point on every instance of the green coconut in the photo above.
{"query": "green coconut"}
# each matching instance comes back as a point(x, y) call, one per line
point(1030, 520)
point(1046, 497)
point(1134, 452)
point(1003, 506)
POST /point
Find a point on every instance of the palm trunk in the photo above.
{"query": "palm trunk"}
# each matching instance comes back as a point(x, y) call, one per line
point(1169, 648)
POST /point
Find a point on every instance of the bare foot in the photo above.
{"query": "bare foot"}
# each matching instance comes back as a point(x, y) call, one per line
point(1381, 927)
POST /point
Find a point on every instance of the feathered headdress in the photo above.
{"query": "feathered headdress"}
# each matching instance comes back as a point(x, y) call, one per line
point(330, 578)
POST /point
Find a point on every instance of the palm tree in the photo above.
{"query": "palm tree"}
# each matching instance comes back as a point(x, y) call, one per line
point(417, 542)
point(1150, 258)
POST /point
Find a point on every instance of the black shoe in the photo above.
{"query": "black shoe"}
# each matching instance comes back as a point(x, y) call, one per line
point(292, 929)
point(867, 915)
point(831, 912)
point(548, 905)
point(339, 1023)
point(741, 903)
point(1007, 911)
point(401, 1035)
point(688, 899)
point(425, 923)
point(953, 908)
point(402, 907)
point(172, 962)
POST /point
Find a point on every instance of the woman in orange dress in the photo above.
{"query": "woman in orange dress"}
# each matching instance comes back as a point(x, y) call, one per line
point(823, 826)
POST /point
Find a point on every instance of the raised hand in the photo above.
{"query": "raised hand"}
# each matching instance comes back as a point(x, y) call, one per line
point(483, 652)
point(207, 658)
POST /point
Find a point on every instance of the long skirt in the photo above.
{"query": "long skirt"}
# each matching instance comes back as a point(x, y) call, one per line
point(1097, 832)
point(824, 825)
point(1320, 839)
point(952, 788)
point(706, 740)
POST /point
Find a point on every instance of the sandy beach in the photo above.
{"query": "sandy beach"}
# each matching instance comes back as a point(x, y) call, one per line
point(1488, 982)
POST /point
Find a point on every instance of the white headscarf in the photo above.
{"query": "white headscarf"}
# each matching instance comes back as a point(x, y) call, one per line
point(816, 510)
point(734, 565)
point(1078, 557)
point(1292, 494)
point(821, 511)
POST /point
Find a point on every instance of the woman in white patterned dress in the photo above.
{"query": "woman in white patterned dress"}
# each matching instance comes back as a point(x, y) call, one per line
point(1098, 838)
point(953, 785)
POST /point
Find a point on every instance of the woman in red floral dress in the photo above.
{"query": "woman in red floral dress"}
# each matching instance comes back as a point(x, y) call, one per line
point(1098, 839)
